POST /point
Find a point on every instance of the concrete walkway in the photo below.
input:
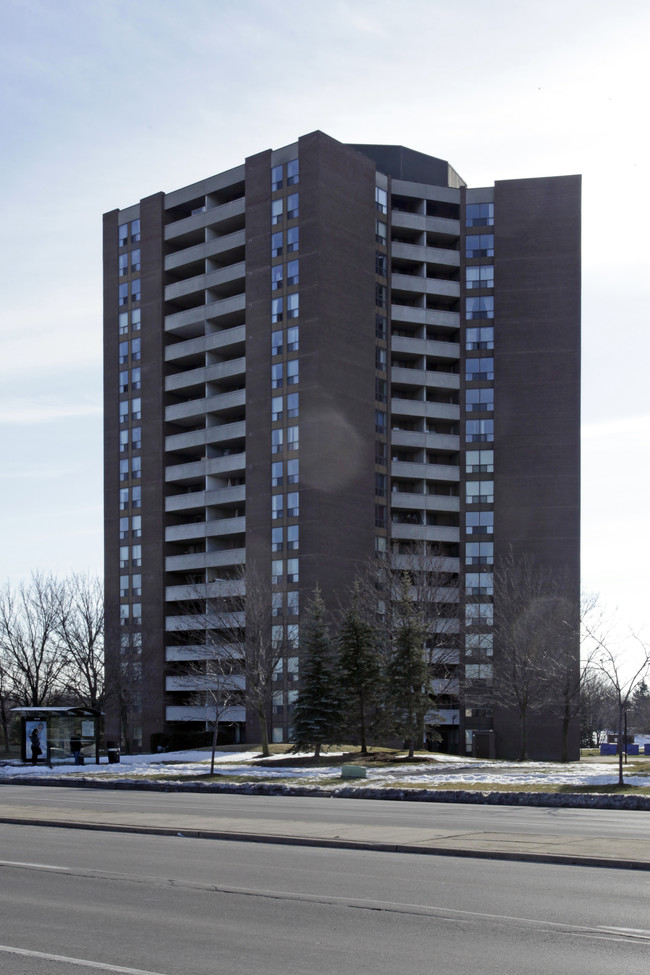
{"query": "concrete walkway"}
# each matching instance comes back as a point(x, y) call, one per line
point(584, 850)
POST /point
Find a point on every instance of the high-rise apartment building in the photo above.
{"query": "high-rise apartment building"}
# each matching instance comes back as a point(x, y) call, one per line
point(331, 351)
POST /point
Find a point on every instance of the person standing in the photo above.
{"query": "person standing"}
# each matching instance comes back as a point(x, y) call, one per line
point(75, 748)
point(36, 745)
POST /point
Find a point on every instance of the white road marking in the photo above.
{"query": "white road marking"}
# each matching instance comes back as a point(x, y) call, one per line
point(81, 962)
point(37, 866)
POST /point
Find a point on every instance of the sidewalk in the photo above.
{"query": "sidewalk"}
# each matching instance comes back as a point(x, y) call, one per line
point(586, 851)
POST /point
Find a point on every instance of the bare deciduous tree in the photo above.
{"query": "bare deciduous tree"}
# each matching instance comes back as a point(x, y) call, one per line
point(30, 640)
point(81, 632)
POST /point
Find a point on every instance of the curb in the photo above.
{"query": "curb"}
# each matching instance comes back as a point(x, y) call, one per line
point(325, 843)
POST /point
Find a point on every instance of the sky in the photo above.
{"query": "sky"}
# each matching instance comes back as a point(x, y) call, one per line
point(103, 102)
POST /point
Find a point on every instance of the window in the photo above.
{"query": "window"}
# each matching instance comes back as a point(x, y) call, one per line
point(276, 244)
point(293, 505)
point(124, 498)
point(136, 352)
point(136, 585)
point(381, 390)
point(276, 343)
point(381, 265)
point(380, 485)
point(479, 583)
point(277, 375)
point(136, 467)
point(479, 399)
point(123, 321)
point(292, 570)
point(135, 259)
point(276, 604)
point(124, 439)
point(479, 492)
point(482, 307)
point(277, 272)
point(124, 381)
point(123, 234)
point(276, 211)
point(276, 408)
point(380, 516)
point(293, 537)
point(135, 289)
point(380, 421)
point(292, 405)
point(292, 172)
point(136, 612)
point(276, 178)
point(123, 264)
point(124, 553)
point(136, 496)
point(124, 469)
point(293, 239)
point(292, 206)
point(380, 358)
point(480, 643)
point(293, 641)
point(136, 317)
point(136, 378)
point(276, 310)
point(380, 295)
point(277, 506)
point(136, 438)
point(381, 453)
point(136, 409)
point(292, 471)
point(479, 430)
point(124, 411)
point(124, 586)
point(277, 539)
point(479, 215)
point(479, 523)
point(293, 604)
point(123, 294)
point(381, 200)
point(479, 553)
point(135, 231)
point(136, 555)
point(479, 337)
point(277, 441)
point(478, 672)
point(293, 438)
point(293, 305)
point(277, 473)
point(380, 326)
point(292, 339)
point(479, 370)
point(293, 369)
point(477, 613)
point(380, 232)
point(480, 276)
point(125, 612)
point(136, 526)
point(479, 461)
point(277, 571)
point(479, 245)
point(292, 272)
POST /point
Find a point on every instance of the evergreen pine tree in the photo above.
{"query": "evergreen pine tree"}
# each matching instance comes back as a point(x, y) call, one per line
point(359, 673)
point(407, 671)
point(315, 711)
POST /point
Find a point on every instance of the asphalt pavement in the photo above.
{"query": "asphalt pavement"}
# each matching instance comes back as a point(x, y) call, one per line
point(630, 852)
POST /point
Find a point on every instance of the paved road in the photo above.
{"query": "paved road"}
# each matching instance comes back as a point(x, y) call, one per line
point(170, 905)
point(575, 835)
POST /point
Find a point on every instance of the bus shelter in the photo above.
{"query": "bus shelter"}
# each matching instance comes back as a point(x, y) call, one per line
point(60, 732)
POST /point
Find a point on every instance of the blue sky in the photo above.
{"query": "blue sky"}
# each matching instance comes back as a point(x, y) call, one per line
point(105, 101)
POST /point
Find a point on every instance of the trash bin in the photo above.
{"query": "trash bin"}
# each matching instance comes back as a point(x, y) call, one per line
point(113, 753)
